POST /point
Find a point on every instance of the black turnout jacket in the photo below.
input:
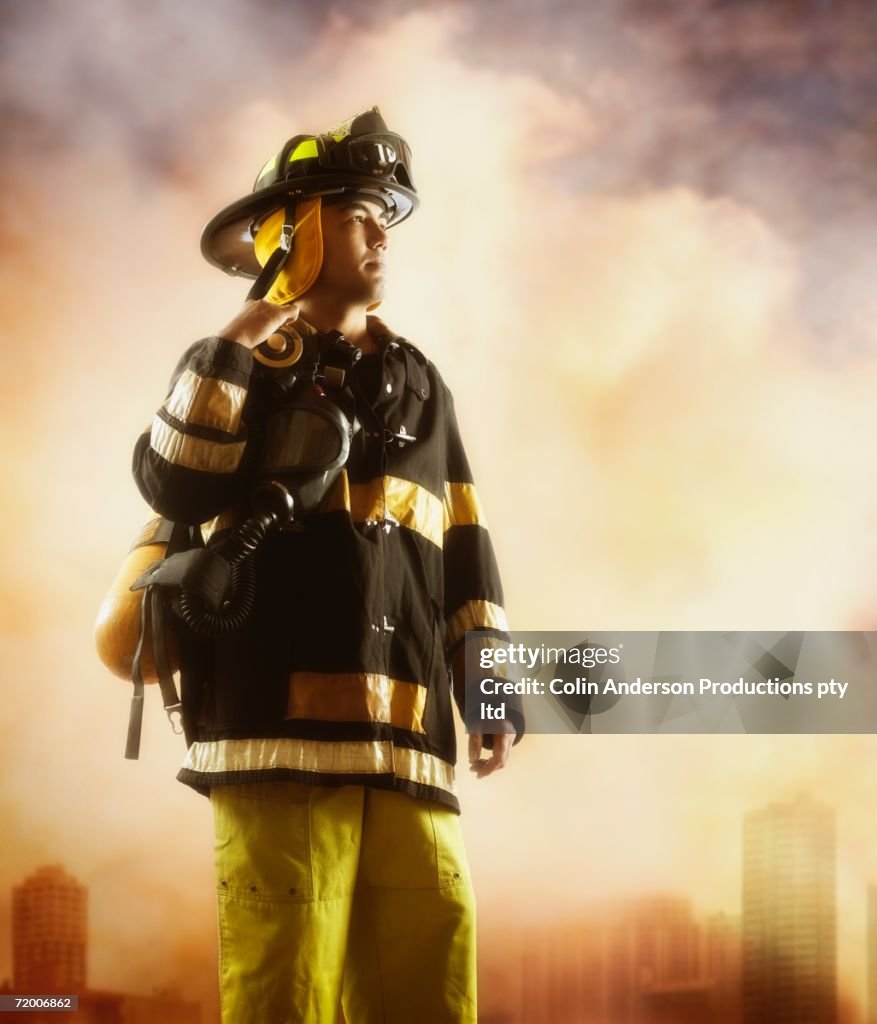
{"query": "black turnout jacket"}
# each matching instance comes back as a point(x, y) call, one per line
point(341, 673)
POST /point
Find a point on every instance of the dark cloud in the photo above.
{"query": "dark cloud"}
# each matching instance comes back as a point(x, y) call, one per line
point(779, 74)
point(137, 76)
point(710, 94)
point(769, 103)
point(727, 90)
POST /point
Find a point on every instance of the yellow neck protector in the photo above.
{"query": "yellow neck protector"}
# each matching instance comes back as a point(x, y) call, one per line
point(302, 268)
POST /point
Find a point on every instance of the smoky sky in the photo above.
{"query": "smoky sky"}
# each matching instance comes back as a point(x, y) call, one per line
point(135, 75)
point(739, 92)
point(769, 103)
point(736, 85)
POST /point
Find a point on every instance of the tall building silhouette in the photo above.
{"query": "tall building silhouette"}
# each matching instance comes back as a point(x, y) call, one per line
point(789, 914)
point(49, 932)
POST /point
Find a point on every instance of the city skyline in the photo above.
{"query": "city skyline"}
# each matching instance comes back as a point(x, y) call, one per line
point(650, 958)
point(50, 945)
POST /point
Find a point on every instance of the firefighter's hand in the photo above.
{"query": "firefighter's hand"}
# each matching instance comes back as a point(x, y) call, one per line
point(257, 321)
point(502, 748)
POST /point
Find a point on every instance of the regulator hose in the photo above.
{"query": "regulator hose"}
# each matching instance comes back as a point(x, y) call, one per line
point(274, 505)
point(235, 611)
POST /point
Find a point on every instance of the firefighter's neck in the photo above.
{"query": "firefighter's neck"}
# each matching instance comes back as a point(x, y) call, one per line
point(349, 320)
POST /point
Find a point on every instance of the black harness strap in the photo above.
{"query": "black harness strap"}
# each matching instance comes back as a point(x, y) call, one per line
point(169, 694)
point(135, 717)
point(152, 610)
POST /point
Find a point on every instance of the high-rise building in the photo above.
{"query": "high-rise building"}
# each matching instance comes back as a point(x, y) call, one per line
point(789, 914)
point(49, 932)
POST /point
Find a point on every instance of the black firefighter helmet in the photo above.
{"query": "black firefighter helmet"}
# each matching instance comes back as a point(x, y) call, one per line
point(279, 222)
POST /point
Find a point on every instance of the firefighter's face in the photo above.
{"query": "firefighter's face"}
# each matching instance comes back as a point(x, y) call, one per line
point(354, 250)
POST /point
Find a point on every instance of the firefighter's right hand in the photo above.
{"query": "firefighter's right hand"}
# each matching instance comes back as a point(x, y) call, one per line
point(257, 321)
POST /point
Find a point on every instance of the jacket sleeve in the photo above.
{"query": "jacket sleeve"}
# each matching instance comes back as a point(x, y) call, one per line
point(187, 466)
point(473, 597)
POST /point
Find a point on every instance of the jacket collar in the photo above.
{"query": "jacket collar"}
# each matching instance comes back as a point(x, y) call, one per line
point(416, 362)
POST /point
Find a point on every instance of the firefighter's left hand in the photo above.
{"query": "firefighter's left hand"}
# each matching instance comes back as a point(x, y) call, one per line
point(502, 748)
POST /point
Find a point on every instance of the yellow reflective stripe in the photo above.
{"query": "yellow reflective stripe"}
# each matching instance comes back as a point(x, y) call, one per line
point(476, 615)
point(462, 506)
point(365, 757)
point(409, 504)
point(303, 150)
point(207, 401)
point(425, 769)
point(194, 452)
point(414, 507)
point(356, 697)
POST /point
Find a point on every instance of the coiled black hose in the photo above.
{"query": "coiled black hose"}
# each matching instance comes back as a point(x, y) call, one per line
point(275, 505)
point(248, 537)
point(233, 615)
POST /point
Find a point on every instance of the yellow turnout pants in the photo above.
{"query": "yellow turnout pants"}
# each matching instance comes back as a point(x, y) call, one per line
point(331, 896)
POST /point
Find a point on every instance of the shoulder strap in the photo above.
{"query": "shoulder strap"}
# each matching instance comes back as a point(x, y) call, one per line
point(152, 612)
